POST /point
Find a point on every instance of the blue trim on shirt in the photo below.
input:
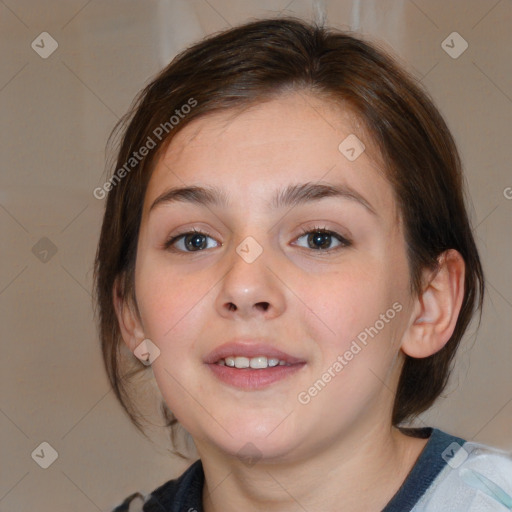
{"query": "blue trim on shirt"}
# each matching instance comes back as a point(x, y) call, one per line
point(428, 466)
point(183, 494)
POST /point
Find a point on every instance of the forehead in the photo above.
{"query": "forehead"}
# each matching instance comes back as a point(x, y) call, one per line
point(254, 151)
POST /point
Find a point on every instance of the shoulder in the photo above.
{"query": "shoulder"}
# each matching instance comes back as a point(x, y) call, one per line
point(475, 477)
point(172, 495)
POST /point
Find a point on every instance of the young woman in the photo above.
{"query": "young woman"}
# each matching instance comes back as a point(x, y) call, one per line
point(286, 247)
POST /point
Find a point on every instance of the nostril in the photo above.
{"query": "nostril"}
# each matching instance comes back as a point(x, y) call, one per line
point(263, 305)
point(260, 305)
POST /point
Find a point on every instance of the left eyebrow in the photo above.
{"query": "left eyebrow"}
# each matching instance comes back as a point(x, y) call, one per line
point(291, 196)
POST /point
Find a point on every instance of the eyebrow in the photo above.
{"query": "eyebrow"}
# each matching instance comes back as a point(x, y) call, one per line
point(291, 196)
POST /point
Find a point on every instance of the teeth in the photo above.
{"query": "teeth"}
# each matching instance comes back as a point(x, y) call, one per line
point(257, 362)
point(241, 362)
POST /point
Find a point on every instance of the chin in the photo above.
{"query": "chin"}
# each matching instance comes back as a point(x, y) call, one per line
point(257, 440)
point(253, 450)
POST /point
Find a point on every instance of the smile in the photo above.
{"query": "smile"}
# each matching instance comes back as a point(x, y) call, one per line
point(258, 362)
point(251, 374)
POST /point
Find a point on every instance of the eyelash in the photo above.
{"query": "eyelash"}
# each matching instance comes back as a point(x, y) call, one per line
point(317, 229)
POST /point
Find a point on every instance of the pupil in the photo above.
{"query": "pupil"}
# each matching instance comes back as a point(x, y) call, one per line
point(321, 239)
point(195, 242)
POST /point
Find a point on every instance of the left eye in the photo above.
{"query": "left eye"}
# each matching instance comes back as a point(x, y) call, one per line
point(320, 239)
point(193, 241)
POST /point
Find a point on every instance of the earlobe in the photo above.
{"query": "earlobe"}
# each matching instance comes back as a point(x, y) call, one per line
point(437, 308)
point(127, 317)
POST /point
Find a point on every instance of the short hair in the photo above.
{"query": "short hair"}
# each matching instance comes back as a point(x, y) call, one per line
point(261, 60)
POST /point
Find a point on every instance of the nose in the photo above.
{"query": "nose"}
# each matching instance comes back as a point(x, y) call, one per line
point(251, 290)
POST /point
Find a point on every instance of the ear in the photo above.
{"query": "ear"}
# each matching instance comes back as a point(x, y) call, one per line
point(437, 308)
point(127, 316)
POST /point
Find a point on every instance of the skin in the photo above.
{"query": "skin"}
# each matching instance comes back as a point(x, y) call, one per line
point(318, 302)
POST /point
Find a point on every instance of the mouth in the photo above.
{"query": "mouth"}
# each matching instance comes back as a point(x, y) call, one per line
point(251, 365)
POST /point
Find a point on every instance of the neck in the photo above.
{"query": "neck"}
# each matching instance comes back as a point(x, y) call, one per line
point(362, 471)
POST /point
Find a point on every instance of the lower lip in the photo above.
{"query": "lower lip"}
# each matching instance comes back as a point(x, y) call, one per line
point(248, 378)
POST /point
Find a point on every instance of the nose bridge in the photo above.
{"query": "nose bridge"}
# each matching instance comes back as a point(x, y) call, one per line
point(250, 288)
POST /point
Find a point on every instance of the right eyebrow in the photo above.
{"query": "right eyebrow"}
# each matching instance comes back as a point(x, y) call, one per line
point(206, 196)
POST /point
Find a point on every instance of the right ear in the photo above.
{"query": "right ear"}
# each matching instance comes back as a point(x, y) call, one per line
point(127, 316)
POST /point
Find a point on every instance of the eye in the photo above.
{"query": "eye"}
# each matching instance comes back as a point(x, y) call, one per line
point(320, 239)
point(190, 241)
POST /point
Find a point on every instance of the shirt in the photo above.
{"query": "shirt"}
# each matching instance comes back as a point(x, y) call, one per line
point(450, 475)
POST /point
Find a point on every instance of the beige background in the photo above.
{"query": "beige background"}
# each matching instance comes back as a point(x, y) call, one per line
point(56, 114)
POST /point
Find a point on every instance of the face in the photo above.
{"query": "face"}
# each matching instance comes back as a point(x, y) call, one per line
point(320, 283)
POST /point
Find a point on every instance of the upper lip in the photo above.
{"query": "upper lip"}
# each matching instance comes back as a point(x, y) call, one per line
point(249, 348)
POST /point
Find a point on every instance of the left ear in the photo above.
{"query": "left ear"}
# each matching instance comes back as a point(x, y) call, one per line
point(437, 308)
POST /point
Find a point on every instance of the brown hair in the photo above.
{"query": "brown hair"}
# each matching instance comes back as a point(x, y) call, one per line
point(257, 61)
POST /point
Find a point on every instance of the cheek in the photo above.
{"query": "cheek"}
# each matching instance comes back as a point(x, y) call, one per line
point(343, 303)
point(172, 307)
point(361, 308)
point(354, 318)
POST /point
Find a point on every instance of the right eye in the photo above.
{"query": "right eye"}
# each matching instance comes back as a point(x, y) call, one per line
point(188, 241)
